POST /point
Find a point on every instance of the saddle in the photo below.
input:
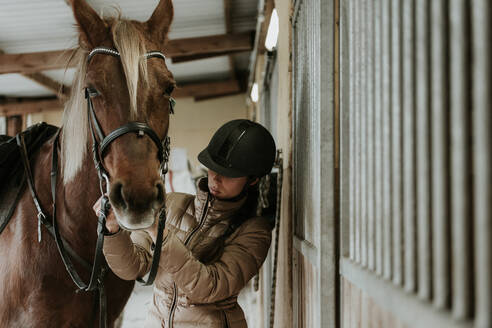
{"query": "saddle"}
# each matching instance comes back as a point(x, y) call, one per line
point(12, 173)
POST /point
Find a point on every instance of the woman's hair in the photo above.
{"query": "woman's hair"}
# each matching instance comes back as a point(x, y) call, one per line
point(245, 212)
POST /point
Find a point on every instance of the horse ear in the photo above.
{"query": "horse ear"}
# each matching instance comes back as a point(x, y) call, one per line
point(160, 21)
point(92, 29)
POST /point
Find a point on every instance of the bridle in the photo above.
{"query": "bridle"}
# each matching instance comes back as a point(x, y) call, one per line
point(142, 129)
point(100, 145)
point(99, 150)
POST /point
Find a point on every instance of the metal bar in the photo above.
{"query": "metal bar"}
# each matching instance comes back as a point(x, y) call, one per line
point(386, 108)
point(423, 149)
point(460, 106)
point(378, 186)
point(358, 136)
point(396, 142)
point(363, 128)
point(408, 145)
point(482, 121)
point(408, 309)
point(345, 133)
point(440, 156)
point(370, 137)
point(352, 128)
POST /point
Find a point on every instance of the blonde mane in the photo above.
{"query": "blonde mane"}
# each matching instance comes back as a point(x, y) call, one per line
point(130, 44)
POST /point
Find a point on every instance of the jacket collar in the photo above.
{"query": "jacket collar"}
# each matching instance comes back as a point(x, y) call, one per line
point(217, 209)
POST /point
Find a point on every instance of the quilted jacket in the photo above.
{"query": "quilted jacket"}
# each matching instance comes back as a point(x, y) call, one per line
point(200, 274)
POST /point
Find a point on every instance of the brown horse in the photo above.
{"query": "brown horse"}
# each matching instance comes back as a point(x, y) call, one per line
point(36, 290)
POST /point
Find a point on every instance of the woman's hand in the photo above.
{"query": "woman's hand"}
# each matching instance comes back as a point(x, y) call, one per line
point(111, 223)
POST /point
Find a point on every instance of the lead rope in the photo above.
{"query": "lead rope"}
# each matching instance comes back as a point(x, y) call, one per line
point(263, 202)
point(279, 165)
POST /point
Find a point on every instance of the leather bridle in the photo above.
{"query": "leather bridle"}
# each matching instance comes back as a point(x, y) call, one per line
point(100, 145)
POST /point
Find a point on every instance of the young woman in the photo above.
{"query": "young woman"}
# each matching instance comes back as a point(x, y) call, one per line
point(213, 242)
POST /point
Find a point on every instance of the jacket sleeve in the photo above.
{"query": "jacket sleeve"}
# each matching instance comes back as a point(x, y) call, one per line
point(240, 261)
point(128, 254)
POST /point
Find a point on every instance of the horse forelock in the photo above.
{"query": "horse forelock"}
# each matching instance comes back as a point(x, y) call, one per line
point(130, 43)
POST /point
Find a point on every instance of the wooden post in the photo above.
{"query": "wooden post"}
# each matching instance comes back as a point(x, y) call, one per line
point(14, 125)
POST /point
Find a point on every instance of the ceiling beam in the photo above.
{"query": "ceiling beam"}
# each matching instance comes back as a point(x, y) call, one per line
point(208, 89)
point(28, 106)
point(201, 90)
point(47, 82)
point(189, 47)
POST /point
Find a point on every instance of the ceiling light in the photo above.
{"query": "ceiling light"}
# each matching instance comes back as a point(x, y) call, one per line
point(254, 92)
point(272, 34)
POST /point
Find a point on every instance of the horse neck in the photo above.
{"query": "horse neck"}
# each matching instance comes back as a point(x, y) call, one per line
point(76, 199)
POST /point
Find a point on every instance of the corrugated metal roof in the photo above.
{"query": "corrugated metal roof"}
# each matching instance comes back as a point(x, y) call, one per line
point(42, 25)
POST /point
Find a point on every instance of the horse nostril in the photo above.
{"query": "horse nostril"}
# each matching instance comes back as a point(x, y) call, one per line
point(116, 195)
point(160, 191)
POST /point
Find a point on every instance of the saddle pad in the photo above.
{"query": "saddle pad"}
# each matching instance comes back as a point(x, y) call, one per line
point(12, 175)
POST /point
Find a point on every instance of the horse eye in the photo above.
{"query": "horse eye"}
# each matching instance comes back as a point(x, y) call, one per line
point(91, 92)
point(169, 90)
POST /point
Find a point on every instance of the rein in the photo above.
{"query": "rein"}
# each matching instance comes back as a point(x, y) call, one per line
point(99, 266)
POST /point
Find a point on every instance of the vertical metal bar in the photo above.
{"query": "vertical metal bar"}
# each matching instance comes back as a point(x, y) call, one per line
point(351, 22)
point(423, 149)
point(378, 185)
point(440, 156)
point(409, 144)
point(370, 135)
point(358, 106)
point(460, 159)
point(386, 108)
point(482, 121)
point(363, 129)
point(396, 142)
point(345, 132)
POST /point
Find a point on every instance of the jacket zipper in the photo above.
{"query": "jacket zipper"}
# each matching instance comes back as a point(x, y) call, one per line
point(173, 305)
point(225, 319)
point(188, 239)
point(200, 224)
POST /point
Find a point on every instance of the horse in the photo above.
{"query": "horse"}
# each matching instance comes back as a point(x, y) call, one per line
point(36, 290)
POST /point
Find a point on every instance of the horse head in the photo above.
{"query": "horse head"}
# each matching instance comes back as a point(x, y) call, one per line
point(126, 86)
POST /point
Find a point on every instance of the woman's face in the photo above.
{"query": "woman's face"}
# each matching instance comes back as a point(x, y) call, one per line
point(224, 187)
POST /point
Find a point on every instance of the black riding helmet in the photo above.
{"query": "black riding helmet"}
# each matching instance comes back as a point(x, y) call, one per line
point(240, 148)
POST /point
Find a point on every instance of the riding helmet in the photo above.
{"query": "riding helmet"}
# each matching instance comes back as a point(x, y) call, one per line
point(240, 148)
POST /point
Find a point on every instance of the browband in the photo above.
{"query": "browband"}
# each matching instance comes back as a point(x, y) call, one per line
point(115, 53)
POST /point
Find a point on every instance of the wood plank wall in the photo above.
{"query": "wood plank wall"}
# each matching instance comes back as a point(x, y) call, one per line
point(416, 159)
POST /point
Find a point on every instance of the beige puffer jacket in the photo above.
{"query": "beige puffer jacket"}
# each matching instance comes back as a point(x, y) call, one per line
point(198, 281)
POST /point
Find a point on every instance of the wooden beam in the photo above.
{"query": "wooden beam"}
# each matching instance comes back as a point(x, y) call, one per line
point(28, 106)
point(59, 89)
point(209, 45)
point(47, 82)
point(200, 91)
point(208, 89)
